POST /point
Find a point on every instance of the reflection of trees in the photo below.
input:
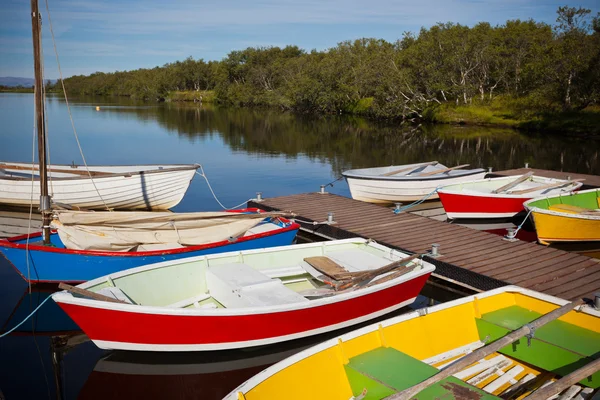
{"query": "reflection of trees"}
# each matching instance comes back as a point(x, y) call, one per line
point(352, 142)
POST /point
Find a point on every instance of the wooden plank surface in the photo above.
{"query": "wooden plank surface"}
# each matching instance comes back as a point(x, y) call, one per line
point(591, 181)
point(485, 255)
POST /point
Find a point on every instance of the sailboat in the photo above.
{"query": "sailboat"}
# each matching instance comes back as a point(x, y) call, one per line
point(77, 253)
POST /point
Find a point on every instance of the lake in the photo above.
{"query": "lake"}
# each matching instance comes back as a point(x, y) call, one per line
point(243, 151)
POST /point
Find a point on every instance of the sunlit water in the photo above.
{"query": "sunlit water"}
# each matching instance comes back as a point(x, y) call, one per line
point(242, 152)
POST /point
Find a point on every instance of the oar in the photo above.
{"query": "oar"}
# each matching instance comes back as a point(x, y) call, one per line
point(58, 170)
point(88, 293)
point(566, 381)
point(547, 186)
point(514, 183)
point(485, 351)
point(368, 275)
point(441, 171)
point(409, 169)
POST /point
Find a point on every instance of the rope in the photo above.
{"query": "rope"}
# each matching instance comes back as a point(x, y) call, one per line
point(311, 222)
point(31, 200)
point(213, 192)
point(26, 318)
point(69, 109)
point(416, 203)
point(522, 223)
point(332, 182)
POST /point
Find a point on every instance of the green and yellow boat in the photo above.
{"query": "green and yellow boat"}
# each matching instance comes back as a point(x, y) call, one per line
point(387, 359)
point(569, 217)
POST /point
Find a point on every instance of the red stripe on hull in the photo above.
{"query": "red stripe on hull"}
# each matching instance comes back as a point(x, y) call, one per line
point(132, 327)
point(462, 203)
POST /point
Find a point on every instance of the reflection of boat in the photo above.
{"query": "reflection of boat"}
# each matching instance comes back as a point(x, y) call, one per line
point(225, 231)
point(408, 182)
point(573, 217)
point(500, 227)
point(381, 360)
point(130, 187)
point(48, 320)
point(498, 197)
point(249, 298)
point(141, 375)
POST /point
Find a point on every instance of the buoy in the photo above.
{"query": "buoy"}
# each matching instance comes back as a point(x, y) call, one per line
point(97, 108)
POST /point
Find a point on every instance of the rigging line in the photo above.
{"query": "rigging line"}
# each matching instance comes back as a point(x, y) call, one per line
point(47, 143)
point(62, 82)
point(31, 198)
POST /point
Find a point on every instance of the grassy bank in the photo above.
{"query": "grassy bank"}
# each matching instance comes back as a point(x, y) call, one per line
point(203, 96)
point(520, 115)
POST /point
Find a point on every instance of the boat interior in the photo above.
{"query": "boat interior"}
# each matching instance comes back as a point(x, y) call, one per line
point(579, 203)
point(383, 360)
point(545, 186)
point(256, 279)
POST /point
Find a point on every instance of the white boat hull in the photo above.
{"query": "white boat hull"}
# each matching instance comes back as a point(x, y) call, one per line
point(389, 191)
point(152, 187)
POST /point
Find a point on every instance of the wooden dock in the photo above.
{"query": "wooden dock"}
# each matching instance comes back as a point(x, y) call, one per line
point(471, 258)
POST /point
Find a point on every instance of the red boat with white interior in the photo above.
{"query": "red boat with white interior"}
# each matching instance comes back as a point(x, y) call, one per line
point(247, 298)
point(499, 197)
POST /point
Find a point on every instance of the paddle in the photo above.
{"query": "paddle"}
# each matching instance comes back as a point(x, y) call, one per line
point(88, 293)
point(566, 381)
point(514, 183)
point(368, 275)
point(409, 169)
point(547, 186)
point(57, 170)
point(485, 351)
point(441, 171)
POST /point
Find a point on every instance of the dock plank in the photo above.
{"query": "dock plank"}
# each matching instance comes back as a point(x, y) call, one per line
point(475, 258)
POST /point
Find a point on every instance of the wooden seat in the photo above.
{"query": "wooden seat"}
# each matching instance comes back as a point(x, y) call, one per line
point(569, 209)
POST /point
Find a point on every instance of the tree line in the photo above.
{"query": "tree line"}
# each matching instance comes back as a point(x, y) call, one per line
point(527, 63)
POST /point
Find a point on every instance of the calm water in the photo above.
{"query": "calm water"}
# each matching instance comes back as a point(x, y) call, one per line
point(242, 151)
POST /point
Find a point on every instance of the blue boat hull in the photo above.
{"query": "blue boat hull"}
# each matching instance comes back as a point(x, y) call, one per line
point(78, 266)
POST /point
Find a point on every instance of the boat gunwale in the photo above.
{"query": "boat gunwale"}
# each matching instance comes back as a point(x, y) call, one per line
point(447, 189)
point(105, 175)
point(9, 242)
point(67, 298)
point(535, 209)
point(282, 365)
point(462, 173)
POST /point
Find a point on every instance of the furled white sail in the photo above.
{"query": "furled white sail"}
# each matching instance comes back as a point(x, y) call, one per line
point(124, 231)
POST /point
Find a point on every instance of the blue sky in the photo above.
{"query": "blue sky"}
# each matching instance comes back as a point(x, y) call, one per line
point(110, 35)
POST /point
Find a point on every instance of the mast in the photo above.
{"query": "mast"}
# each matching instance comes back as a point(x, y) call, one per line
point(36, 23)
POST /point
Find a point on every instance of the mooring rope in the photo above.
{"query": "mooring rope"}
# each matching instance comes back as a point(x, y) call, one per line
point(332, 182)
point(416, 203)
point(521, 225)
point(26, 318)
point(203, 174)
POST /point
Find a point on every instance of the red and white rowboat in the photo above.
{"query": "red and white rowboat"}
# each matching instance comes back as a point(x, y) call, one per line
point(247, 298)
point(499, 197)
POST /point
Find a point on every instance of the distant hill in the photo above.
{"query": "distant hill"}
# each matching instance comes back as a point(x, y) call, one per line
point(13, 81)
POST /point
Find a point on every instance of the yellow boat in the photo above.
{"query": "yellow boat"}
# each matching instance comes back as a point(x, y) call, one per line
point(570, 217)
point(384, 359)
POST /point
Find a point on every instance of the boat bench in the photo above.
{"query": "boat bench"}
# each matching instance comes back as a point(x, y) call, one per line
point(238, 285)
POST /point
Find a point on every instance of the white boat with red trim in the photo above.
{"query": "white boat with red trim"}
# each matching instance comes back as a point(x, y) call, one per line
point(499, 197)
point(244, 299)
point(410, 182)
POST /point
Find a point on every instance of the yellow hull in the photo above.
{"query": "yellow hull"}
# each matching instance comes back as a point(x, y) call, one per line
point(553, 227)
point(322, 372)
